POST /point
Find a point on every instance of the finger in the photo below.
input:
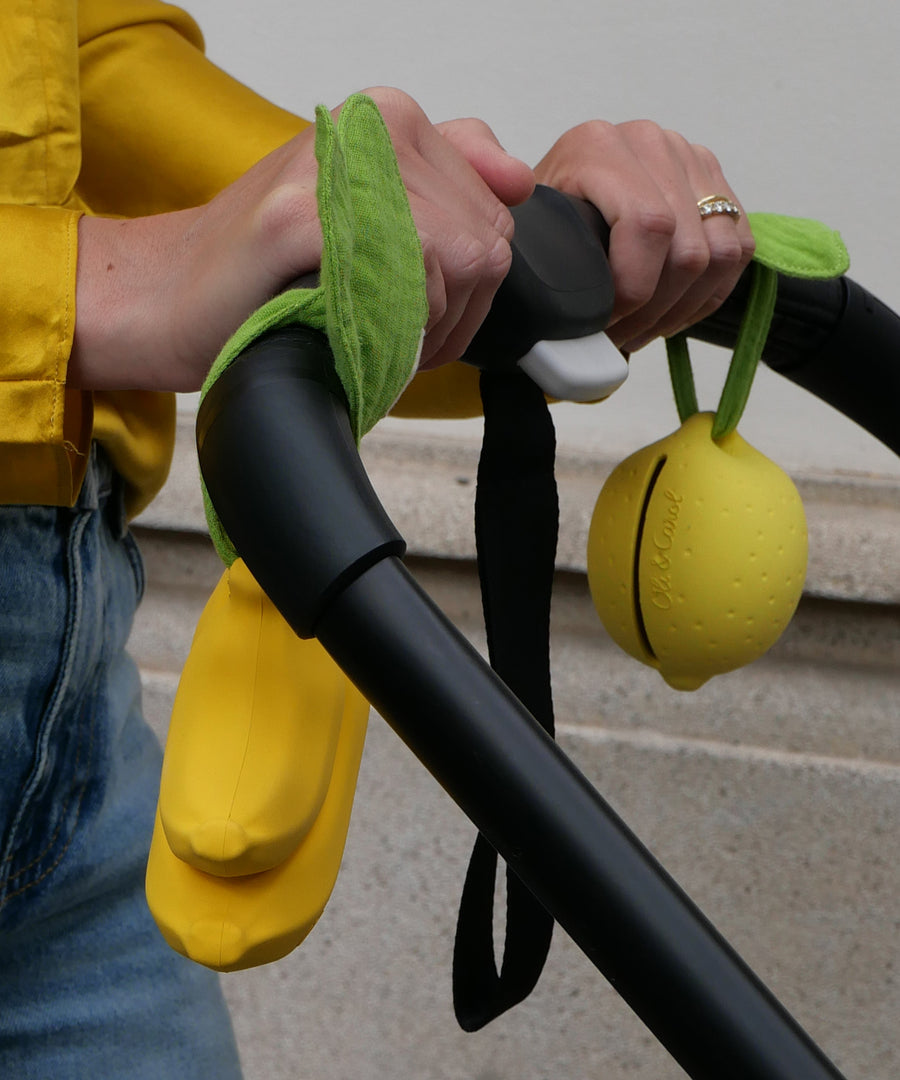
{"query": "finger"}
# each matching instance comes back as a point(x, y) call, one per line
point(440, 176)
point(464, 227)
point(433, 168)
point(668, 264)
point(462, 275)
point(728, 244)
point(605, 164)
point(508, 177)
point(466, 238)
point(689, 260)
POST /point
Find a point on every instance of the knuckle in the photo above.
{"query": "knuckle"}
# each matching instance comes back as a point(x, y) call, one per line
point(589, 132)
point(644, 132)
point(282, 209)
point(656, 221)
point(677, 142)
point(437, 302)
point(472, 263)
point(596, 128)
point(503, 223)
point(712, 304)
point(436, 291)
point(396, 106)
point(468, 256)
point(467, 261)
point(706, 157)
point(499, 260)
point(471, 125)
point(691, 259)
point(748, 247)
point(726, 253)
point(717, 299)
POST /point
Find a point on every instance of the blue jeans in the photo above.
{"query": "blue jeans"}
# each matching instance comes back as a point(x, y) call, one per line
point(88, 988)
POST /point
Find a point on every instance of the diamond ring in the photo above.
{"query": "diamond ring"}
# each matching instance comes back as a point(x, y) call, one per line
point(718, 204)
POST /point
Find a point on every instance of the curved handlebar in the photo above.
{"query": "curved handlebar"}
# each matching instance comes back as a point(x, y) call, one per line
point(833, 338)
point(281, 468)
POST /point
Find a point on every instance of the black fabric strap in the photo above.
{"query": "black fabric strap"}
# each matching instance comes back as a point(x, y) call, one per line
point(516, 527)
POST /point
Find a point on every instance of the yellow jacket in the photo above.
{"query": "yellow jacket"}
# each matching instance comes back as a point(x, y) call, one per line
point(107, 107)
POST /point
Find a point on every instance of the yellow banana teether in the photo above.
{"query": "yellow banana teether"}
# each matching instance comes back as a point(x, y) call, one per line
point(229, 923)
point(252, 737)
point(697, 553)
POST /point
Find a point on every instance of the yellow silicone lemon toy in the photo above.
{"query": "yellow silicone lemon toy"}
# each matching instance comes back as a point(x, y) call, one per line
point(697, 553)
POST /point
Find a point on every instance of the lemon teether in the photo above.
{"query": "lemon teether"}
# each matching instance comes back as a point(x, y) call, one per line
point(697, 549)
point(697, 554)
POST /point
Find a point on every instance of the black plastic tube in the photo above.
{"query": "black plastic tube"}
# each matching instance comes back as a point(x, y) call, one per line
point(557, 833)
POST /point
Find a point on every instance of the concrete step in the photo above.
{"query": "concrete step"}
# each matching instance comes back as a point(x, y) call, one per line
point(772, 795)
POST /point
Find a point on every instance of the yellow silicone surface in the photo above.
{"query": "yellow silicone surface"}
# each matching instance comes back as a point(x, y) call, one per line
point(229, 923)
point(612, 542)
point(253, 735)
point(721, 560)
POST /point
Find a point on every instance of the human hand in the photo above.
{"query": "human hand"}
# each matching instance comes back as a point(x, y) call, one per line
point(158, 296)
point(670, 267)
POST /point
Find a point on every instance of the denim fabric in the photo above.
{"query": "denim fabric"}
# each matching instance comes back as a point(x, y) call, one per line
point(88, 988)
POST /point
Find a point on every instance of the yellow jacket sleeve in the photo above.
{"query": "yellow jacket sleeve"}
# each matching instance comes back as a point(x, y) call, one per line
point(162, 127)
point(108, 107)
point(44, 426)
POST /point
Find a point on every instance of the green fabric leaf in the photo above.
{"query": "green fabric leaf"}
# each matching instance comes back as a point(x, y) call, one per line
point(798, 247)
point(371, 300)
point(795, 247)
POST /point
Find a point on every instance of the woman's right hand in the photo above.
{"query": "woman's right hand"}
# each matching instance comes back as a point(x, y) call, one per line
point(158, 296)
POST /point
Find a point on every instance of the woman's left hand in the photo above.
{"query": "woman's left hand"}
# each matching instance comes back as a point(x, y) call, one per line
point(671, 267)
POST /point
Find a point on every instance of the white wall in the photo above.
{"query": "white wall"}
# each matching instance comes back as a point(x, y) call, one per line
point(797, 100)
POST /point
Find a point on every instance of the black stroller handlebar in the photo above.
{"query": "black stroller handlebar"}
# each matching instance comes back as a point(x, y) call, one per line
point(281, 468)
point(832, 338)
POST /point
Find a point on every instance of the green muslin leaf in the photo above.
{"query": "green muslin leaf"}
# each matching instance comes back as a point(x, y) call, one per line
point(798, 247)
point(372, 266)
point(794, 247)
point(371, 300)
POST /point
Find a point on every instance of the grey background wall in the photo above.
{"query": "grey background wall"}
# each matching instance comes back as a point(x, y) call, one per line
point(773, 795)
point(798, 101)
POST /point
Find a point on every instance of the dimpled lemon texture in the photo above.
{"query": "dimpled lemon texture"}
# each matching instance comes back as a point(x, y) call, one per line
point(697, 554)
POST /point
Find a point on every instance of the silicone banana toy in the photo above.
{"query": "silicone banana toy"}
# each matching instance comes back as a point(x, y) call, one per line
point(257, 786)
point(267, 734)
point(252, 738)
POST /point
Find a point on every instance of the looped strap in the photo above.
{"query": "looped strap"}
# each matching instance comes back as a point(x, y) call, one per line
point(516, 527)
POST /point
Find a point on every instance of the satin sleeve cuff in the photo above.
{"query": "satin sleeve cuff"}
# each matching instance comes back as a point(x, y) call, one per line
point(45, 427)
